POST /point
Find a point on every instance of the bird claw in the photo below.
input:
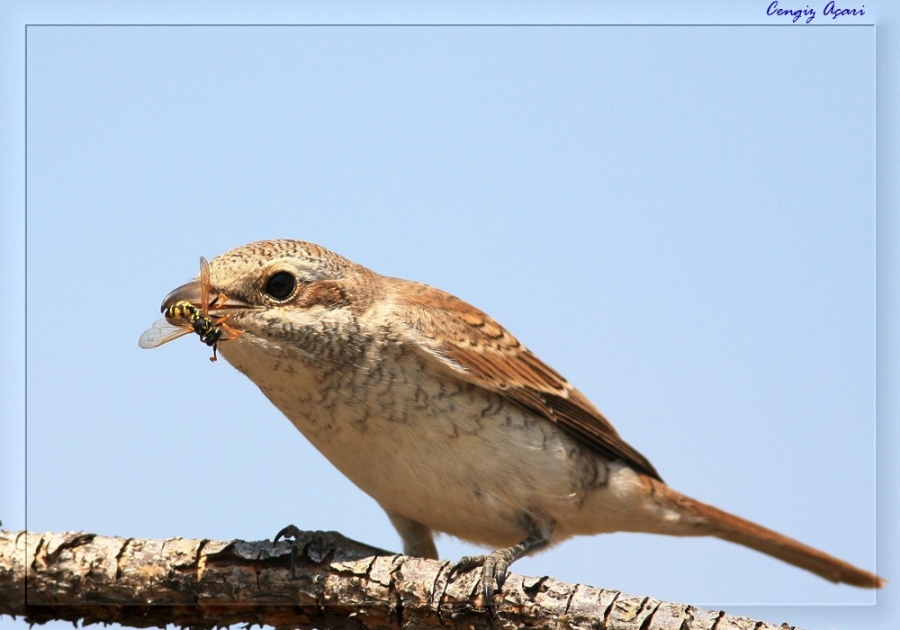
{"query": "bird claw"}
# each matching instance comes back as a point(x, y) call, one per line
point(291, 531)
point(494, 567)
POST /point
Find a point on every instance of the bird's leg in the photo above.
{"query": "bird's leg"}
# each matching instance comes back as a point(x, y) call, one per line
point(495, 565)
point(417, 539)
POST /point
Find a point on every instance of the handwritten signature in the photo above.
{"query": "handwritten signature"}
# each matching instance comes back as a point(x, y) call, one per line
point(831, 9)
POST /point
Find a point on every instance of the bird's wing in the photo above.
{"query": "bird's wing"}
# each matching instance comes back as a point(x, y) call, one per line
point(461, 337)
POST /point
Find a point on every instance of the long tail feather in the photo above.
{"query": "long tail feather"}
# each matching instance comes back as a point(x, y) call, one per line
point(716, 522)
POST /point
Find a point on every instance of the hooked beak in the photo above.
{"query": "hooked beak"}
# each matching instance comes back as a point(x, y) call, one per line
point(219, 305)
point(189, 292)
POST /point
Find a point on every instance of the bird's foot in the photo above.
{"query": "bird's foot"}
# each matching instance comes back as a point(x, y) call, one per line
point(291, 531)
point(494, 567)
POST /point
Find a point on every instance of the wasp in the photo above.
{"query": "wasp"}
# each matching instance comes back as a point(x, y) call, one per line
point(201, 324)
point(183, 318)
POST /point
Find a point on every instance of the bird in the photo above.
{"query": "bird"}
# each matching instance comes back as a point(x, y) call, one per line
point(441, 415)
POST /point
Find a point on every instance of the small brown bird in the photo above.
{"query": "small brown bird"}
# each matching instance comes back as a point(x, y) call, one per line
point(432, 408)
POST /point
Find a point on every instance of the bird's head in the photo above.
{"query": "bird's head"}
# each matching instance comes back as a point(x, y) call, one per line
point(279, 296)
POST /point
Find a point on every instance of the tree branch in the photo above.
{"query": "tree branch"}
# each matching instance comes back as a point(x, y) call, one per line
point(338, 583)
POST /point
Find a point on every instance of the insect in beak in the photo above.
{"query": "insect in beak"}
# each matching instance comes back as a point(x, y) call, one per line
point(189, 309)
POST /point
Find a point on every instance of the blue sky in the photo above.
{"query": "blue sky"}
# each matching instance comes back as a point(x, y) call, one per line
point(680, 219)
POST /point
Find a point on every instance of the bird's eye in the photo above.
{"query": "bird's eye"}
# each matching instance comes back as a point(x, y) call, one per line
point(281, 285)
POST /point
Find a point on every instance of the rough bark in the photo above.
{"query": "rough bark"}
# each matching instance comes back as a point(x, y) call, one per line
point(338, 583)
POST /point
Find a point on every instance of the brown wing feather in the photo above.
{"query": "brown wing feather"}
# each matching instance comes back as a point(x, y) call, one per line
point(470, 342)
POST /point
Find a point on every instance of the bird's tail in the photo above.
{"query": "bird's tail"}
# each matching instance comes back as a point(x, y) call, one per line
point(715, 522)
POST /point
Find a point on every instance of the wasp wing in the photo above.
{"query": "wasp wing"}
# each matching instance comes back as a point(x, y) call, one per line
point(162, 331)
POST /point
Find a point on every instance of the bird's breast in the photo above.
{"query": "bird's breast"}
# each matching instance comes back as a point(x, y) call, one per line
point(434, 448)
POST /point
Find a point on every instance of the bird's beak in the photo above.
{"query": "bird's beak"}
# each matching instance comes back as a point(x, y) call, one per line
point(219, 305)
point(189, 292)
